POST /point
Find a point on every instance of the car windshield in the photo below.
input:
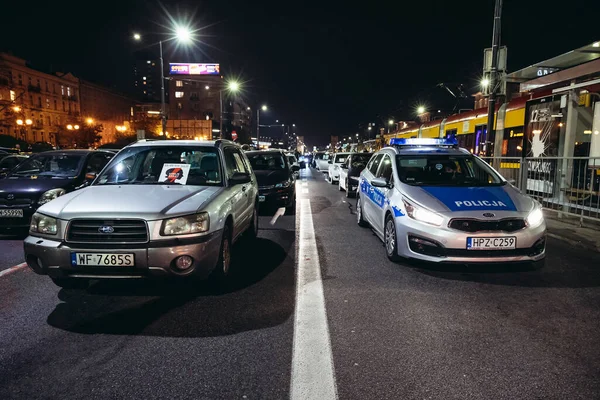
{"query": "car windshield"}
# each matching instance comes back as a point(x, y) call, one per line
point(58, 166)
point(264, 162)
point(340, 158)
point(446, 170)
point(359, 161)
point(164, 165)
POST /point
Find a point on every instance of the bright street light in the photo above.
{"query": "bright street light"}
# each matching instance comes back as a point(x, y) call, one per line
point(233, 86)
point(183, 34)
point(89, 121)
point(137, 36)
point(391, 122)
point(293, 125)
point(369, 128)
point(28, 121)
point(420, 110)
point(206, 87)
point(69, 127)
point(264, 108)
point(75, 126)
point(19, 122)
point(485, 82)
point(16, 108)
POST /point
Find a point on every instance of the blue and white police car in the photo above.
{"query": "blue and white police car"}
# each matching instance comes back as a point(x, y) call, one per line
point(430, 200)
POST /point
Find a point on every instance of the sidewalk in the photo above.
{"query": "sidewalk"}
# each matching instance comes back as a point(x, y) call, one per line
point(569, 231)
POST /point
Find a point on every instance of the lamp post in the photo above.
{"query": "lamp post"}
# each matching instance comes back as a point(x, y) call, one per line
point(233, 87)
point(23, 124)
point(264, 108)
point(183, 35)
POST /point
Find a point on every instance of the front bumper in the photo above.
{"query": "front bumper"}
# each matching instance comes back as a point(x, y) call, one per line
point(277, 197)
point(152, 260)
point(18, 222)
point(420, 241)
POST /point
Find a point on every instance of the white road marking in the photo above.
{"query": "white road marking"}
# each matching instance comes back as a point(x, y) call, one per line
point(304, 190)
point(279, 213)
point(304, 183)
point(313, 375)
point(10, 270)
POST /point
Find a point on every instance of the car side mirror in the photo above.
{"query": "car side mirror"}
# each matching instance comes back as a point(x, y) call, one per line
point(295, 168)
point(380, 182)
point(239, 178)
point(90, 176)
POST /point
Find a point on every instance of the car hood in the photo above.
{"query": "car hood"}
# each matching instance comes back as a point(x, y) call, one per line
point(149, 202)
point(33, 186)
point(267, 178)
point(503, 200)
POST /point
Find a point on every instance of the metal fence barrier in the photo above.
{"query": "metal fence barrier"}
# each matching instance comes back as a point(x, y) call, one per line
point(567, 185)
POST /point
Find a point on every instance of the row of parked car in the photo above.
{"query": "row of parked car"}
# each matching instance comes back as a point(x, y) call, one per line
point(155, 209)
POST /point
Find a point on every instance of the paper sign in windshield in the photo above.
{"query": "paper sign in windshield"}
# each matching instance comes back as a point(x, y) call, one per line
point(175, 173)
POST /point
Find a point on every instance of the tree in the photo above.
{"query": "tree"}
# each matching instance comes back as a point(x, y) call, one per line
point(88, 135)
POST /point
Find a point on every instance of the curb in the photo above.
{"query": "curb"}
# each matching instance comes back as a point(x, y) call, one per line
point(575, 243)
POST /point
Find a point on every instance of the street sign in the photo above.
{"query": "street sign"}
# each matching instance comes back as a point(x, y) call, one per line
point(234, 135)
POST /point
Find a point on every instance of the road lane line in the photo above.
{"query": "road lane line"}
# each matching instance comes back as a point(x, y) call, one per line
point(10, 270)
point(304, 190)
point(313, 375)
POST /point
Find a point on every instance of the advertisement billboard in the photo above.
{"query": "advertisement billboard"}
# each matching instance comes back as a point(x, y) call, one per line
point(193, 69)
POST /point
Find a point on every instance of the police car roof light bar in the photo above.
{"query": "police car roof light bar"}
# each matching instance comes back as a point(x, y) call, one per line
point(438, 142)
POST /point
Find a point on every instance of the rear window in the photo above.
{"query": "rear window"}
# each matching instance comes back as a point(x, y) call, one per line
point(339, 159)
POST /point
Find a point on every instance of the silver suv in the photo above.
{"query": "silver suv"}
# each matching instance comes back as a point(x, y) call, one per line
point(158, 209)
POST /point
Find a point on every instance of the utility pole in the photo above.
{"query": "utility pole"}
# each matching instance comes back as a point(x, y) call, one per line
point(494, 70)
point(163, 108)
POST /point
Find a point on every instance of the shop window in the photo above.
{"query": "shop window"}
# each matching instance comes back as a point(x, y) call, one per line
point(178, 95)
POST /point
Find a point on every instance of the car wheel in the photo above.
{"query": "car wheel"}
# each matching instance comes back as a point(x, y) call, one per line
point(222, 271)
point(348, 192)
point(359, 213)
point(391, 239)
point(71, 283)
point(291, 209)
point(252, 231)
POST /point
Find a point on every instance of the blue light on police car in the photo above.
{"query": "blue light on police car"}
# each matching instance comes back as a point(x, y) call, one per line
point(423, 142)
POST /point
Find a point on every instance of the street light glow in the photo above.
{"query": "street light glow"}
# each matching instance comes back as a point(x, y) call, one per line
point(19, 122)
point(234, 86)
point(293, 125)
point(137, 36)
point(28, 121)
point(16, 108)
point(485, 82)
point(391, 122)
point(264, 108)
point(76, 126)
point(89, 121)
point(69, 127)
point(183, 34)
point(420, 110)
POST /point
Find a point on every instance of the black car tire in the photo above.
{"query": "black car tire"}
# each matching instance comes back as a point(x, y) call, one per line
point(291, 208)
point(359, 214)
point(222, 271)
point(71, 283)
point(348, 191)
point(390, 239)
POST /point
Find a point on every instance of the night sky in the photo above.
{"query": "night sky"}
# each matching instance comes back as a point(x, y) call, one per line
point(325, 66)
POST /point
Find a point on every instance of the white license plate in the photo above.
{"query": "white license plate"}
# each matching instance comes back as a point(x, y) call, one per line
point(11, 213)
point(102, 260)
point(261, 198)
point(491, 243)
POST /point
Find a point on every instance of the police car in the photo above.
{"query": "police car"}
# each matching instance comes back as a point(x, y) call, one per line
point(430, 200)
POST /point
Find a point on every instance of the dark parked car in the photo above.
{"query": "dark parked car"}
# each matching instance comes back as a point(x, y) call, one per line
point(44, 177)
point(275, 176)
point(350, 172)
point(9, 161)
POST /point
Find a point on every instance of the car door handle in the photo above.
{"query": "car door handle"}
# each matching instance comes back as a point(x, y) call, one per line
point(243, 188)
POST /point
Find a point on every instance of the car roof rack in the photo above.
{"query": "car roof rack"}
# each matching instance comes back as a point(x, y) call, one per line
point(424, 142)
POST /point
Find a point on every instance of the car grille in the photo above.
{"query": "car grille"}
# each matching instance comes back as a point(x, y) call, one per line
point(124, 231)
point(15, 202)
point(475, 225)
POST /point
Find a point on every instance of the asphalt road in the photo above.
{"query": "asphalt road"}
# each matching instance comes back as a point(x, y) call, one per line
point(395, 331)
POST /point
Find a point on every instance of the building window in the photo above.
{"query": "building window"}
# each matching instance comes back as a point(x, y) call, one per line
point(49, 120)
point(20, 80)
point(69, 91)
point(194, 96)
point(39, 84)
point(55, 105)
point(178, 95)
point(179, 106)
point(13, 95)
point(31, 99)
point(64, 106)
point(62, 89)
point(47, 87)
point(29, 81)
point(47, 102)
point(179, 83)
point(54, 88)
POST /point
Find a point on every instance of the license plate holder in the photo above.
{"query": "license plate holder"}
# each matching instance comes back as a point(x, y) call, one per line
point(102, 259)
point(261, 199)
point(11, 213)
point(492, 243)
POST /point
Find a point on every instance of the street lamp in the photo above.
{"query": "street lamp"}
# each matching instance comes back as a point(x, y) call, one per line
point(89, 121)
point(183, 35)
point(264, 108)
point(233, 87)
point(420, 110)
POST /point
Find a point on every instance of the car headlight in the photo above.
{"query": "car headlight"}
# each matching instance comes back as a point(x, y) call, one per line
point(51, 195)
point(422, 215)
point(285, 184)
point(187, 225)
point(41, 223)
point(535, 218)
